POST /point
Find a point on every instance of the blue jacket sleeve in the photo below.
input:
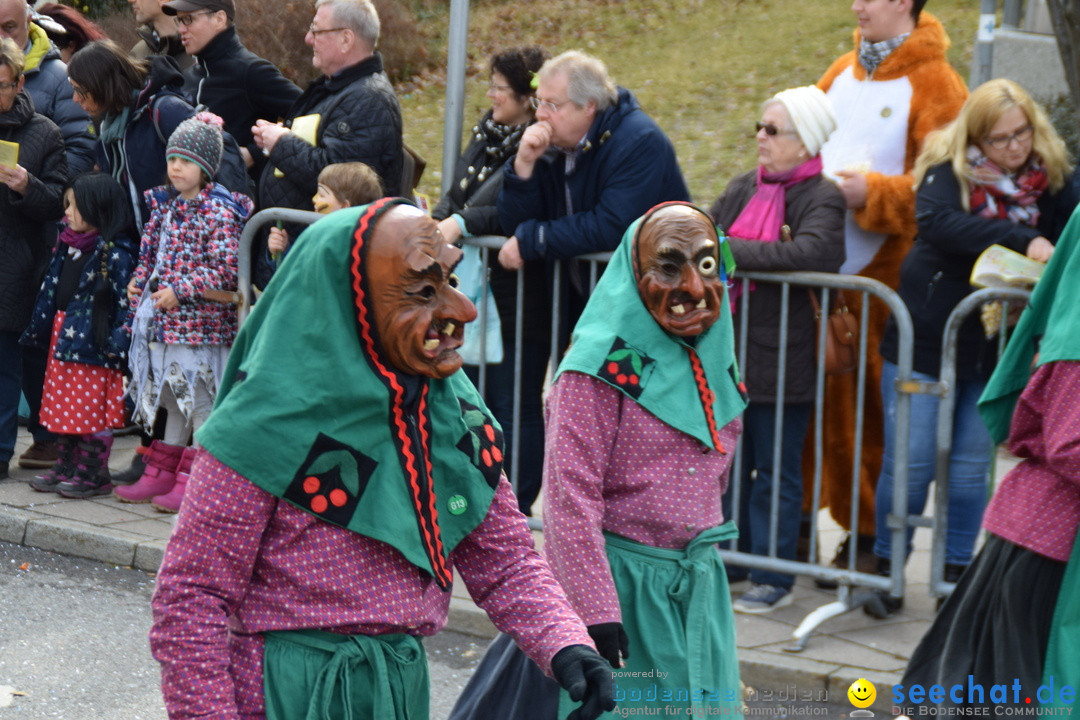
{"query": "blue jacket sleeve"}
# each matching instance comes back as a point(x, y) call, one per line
point(80, 141)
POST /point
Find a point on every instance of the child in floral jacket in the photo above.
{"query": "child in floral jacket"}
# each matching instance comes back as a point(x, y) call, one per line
point(182, 330)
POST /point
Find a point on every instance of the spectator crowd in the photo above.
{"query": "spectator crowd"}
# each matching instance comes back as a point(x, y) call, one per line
point(136, 171)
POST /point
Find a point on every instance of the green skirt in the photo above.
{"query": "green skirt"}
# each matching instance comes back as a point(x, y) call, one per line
point(317, 675)
point(1060, 666)
point(676, 611)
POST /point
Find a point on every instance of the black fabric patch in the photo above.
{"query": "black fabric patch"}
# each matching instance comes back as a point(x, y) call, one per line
point(331, 480)
point(483, 443)
point(626, 367)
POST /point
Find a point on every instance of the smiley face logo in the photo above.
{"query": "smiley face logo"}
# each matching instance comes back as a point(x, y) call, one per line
point(862, 693)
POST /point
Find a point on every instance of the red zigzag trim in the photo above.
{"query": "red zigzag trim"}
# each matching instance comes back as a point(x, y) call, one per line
point(707, 398)
point(428, 516)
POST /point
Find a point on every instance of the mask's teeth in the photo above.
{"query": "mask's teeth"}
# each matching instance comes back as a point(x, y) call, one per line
point(449, 329)
point(431, 344)
point(678, 309)
point(701, 304)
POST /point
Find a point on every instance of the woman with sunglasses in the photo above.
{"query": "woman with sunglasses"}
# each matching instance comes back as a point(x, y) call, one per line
point(781, 216)
point(997, 175)
point(468, 210)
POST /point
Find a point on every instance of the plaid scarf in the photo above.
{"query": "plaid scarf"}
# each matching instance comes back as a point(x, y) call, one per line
point(872, 54)
point(996, 194)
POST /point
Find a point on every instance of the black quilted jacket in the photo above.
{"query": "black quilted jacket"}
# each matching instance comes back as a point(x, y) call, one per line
point(361, 121)
point(27, 222)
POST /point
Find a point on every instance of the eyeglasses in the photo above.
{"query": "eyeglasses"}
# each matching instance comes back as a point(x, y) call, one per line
point(316, 33)
point(496, 87)
point(770, 129)
point(8, 88)
point(548, 105)
point(186, 20)
point(1000, 142)
point(76, 90)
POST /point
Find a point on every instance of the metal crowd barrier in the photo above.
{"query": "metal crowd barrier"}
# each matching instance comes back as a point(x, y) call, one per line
point(855, 589)
point(247, 238)
point(945, 388)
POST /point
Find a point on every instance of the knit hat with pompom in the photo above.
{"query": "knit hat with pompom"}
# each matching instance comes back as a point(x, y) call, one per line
point(199, 140)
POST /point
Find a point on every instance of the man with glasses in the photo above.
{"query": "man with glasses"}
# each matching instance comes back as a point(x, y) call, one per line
point(47, 84)
point(227, 78)
point(888, 93)
point(591, 164)
point(349, 114)
point(157, 34)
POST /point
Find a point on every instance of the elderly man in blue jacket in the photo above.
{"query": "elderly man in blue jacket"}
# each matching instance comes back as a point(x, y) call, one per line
point(591, 164)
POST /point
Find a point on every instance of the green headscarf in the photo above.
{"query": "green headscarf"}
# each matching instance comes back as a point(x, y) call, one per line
point(1050, 325)
point(310, 412)
point(693, 388)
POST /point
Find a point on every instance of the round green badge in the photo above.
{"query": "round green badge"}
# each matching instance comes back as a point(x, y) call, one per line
point(457, 504)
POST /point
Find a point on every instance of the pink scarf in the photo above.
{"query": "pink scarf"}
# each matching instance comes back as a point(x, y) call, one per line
point(81, 241)
point(763, 216)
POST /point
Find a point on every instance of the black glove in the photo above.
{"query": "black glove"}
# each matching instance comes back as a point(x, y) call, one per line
point(587, 678)
point(610, 639)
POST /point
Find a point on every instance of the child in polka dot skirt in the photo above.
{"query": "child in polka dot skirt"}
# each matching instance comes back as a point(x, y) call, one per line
point(81, 315)
point(183, 295)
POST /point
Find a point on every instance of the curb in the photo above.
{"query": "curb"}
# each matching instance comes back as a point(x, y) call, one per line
point(806, 677)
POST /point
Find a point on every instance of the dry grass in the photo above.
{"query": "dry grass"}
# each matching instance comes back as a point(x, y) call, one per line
point(701, 68)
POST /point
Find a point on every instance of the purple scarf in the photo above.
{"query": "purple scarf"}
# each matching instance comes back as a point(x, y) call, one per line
point(763, 216)
point(81, 241)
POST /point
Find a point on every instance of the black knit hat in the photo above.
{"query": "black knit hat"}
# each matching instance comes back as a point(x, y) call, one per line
point(199, 140)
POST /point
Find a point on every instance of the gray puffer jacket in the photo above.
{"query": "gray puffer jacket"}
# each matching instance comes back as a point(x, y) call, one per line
point(815, 213)
point(27, 221)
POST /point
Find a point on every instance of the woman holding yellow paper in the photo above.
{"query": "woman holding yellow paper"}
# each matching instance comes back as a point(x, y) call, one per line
point(33, 171)
point(998, 174)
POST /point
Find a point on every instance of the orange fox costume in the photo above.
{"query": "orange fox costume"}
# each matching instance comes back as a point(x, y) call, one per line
point(882, 121)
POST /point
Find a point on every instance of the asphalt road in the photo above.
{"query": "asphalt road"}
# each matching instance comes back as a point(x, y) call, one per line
point(73, 639)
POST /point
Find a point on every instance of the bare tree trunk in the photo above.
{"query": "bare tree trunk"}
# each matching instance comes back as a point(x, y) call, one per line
point(1065, 15)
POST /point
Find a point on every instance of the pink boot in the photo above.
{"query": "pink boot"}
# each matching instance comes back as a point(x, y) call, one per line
point(159, 476)
point(170, 501)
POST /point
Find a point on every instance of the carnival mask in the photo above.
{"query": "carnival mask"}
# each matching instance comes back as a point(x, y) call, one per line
point(419, 315)
point(679, 279)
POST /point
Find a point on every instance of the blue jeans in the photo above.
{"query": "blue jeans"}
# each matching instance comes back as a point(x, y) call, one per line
point(499, 396)
point(10, 389)
point(755, 496)
point(969, 464)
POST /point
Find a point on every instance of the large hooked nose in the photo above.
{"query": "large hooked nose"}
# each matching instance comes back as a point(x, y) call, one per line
point(691, 282)
point(458, 307)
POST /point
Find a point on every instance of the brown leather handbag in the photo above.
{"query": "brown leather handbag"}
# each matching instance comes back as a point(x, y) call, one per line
point(841, 335)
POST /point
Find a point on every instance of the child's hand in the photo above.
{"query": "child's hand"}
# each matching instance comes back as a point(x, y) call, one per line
point(277, 241)
point(165, 298)
point(133, 290)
